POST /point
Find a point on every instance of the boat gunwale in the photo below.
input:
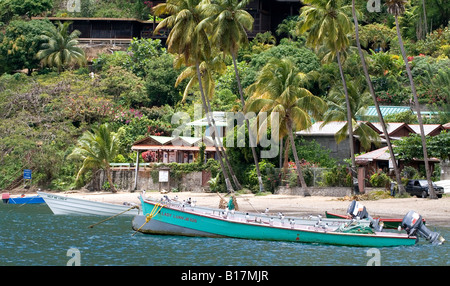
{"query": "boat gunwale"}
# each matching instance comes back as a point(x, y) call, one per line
point(381, 219)
point(80, 200)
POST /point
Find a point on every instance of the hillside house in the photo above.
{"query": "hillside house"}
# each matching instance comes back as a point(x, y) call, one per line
point(267, 16)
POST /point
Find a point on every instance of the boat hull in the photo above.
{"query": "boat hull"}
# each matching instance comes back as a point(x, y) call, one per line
point(26, 200)
point(218, 226)
point(158, 227)
point(61, 205)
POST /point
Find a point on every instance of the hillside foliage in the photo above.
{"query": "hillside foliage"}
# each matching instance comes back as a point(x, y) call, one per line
point(45, 110)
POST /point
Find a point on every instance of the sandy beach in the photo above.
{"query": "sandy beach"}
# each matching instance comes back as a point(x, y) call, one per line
point(436, 212)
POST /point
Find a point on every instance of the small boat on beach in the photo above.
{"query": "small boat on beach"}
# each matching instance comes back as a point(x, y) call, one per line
point(388, 223)
point(64, 205)
point(175, 218)
point(22, 199)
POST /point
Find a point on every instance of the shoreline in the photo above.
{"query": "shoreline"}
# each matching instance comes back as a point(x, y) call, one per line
point(435, 212)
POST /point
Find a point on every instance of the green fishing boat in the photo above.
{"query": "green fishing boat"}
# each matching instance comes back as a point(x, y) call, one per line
point(175, 218)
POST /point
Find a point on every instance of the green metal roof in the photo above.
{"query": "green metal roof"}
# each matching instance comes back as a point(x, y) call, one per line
point(385, 110)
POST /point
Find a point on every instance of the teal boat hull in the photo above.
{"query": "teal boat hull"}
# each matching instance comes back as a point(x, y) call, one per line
point(181, 221)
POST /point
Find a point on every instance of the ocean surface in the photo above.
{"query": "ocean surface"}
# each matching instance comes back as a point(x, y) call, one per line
point(31, 235)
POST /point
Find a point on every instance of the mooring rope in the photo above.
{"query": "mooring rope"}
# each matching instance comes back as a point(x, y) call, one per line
point(21, 205)
point(156, 209)
point(133, 207)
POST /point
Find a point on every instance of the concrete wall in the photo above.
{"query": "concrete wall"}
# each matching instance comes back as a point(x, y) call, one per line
point(124, 180)
point(337, 151)
point(445, 170)
point(315, 191)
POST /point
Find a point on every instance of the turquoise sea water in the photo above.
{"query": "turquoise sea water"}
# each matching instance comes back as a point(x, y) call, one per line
point(31, 235)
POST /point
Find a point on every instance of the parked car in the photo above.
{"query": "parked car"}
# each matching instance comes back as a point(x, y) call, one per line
point(419, 188)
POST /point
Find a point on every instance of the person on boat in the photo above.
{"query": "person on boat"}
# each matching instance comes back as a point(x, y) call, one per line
point(232, 203)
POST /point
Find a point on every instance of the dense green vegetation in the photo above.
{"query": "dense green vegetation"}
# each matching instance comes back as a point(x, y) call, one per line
point(47, 104)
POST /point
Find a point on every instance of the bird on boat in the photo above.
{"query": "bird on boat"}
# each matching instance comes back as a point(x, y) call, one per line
point(319, 221)
point(266, 212)
point(281, 216)
point(292, 222)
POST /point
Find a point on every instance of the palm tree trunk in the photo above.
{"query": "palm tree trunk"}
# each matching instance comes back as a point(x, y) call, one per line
point(205, 107)
point(425, 24)
point(286, 156)
point(222, 150)
point(109, 177)
point(419, 116)
point(255, 156)
point(377, 107)
point(349, 121)
point(294, 150)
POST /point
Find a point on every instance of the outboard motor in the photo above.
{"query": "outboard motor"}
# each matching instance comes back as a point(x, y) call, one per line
point(358, 211)
point(412, 223)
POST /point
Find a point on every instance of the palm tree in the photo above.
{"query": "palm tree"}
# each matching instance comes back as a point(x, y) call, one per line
point(396, 8)
point(359, 100)
point(229, 23)
point(207, 69)
point(97, 149)
point(278, 89)
point(61, 48)
point(375, 102)
point(327, 23)
point(190, 41)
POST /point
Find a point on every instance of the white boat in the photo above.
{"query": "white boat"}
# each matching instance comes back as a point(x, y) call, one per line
point(63, 205)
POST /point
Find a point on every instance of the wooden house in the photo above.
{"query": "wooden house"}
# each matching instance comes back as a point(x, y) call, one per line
point(178, 149)
point(267, 16)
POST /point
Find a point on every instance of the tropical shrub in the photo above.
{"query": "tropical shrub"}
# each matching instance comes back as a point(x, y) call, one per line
point(20, 42)
point(270, 177)
point(304, 59)
point(124, 87)
point(409, 172)
point(338, 176)
point(379, 179)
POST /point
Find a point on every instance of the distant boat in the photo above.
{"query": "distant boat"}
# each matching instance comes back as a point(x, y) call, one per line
point(388, 223)
point(22, 200)
point(63, 205)
point(181, 219)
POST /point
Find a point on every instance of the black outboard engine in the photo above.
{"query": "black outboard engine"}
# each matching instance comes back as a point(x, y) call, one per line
point(358, 211)
point(412, 223)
